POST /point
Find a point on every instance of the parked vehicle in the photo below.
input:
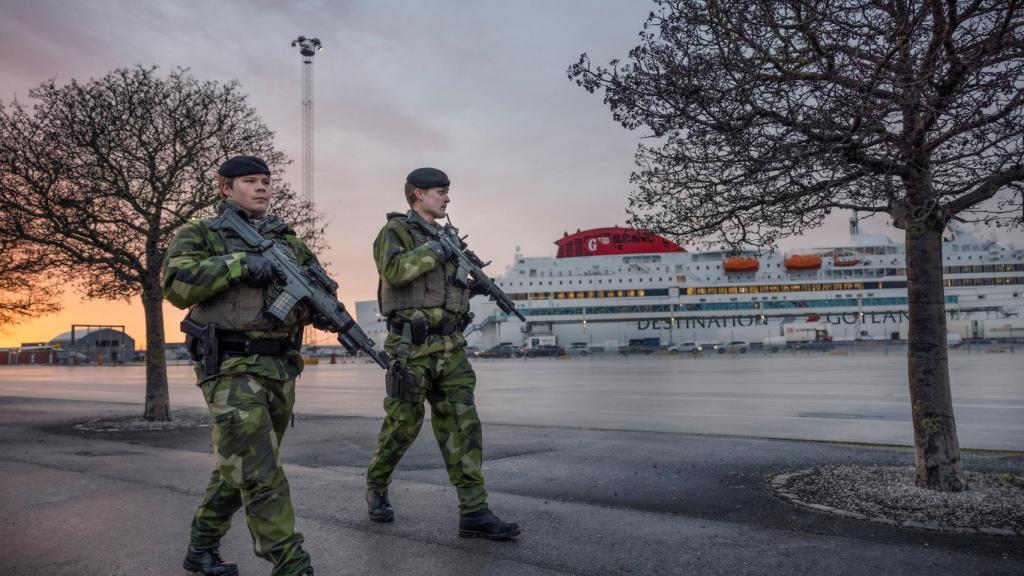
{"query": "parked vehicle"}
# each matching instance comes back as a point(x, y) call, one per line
point(816, 345)
point(545, 350)
point(535, 341)
point(734, 347)
point(503, 350)
point(578, 349)
point(686, 348)
point(636, 349)
point(176, 354)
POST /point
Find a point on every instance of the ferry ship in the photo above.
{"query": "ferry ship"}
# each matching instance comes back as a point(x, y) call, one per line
point(612, 287)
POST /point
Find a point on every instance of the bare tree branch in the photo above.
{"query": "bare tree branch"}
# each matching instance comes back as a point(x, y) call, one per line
point(100, 174)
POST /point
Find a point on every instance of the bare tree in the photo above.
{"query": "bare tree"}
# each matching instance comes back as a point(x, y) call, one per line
point(24, 292)
point(105, 172)
point(766, 115)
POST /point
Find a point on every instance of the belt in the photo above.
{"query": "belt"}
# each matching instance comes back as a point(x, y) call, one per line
point(231, 346)
point(396, 325)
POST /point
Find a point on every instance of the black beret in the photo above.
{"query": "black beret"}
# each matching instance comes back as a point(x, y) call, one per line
point(428, 178)
point(242, 166)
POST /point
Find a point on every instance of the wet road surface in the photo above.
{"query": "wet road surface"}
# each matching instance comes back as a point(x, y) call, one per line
point(856, 397)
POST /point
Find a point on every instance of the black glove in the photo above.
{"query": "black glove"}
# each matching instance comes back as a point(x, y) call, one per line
point(477, 288)
point(443, 253)
point(261, 270)
point(320, 322)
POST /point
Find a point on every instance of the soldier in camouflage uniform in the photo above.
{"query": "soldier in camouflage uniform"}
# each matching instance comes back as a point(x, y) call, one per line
point(250, 388)
point(426, 314)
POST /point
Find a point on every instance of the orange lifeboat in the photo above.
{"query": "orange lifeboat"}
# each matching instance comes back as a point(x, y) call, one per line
point(803, 262)
point(741, 264)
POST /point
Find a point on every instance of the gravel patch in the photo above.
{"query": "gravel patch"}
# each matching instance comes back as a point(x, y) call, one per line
point(993, 504)
point(180, 420)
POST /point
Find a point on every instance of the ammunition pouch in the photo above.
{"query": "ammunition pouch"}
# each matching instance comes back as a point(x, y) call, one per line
point(415, 330)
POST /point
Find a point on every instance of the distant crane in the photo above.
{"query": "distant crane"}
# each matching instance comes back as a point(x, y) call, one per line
point(308, 47)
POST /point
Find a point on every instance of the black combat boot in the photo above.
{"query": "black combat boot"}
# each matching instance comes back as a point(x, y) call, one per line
point(208, 563)
point(484, 524)
point(378, 506)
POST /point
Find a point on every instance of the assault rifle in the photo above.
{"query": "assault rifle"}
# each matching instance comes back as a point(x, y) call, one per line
point(467, 263)
point(311, 284)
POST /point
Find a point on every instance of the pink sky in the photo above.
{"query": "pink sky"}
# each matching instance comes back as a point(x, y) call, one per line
point(477, 89)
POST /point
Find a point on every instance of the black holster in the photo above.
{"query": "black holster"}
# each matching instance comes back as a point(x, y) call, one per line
point(399, 381)
point(202, 344)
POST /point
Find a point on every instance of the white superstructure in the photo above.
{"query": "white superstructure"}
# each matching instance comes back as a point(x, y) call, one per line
point(611, 287)
point(859, 290)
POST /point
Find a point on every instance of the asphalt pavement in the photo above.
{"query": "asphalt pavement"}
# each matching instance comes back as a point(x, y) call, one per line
point(594, 502)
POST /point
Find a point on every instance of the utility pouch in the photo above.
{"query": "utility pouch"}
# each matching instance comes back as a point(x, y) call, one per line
point(419, 329)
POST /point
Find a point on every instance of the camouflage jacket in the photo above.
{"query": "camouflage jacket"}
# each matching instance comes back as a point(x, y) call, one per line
point(197, 266)
point(399, 262)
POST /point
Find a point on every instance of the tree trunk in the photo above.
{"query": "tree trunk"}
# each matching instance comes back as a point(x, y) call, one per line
point(937, 455)
point(158, 403)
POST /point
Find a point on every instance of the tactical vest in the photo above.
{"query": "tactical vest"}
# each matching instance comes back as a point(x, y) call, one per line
point(434, 289)
point(240, 307)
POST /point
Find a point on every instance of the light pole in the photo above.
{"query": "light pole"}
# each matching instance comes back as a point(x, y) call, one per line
point(308, 47)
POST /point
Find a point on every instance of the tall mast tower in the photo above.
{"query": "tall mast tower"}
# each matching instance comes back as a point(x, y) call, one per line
point(308, 47)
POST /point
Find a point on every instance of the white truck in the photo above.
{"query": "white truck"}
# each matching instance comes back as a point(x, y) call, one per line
point(539, 340)
point(806, 331)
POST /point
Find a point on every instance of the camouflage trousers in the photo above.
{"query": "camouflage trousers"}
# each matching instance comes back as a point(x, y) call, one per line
point(447, 382)
point(250, 416)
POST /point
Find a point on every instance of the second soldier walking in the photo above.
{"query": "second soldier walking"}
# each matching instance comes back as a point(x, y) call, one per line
point(426, 312)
